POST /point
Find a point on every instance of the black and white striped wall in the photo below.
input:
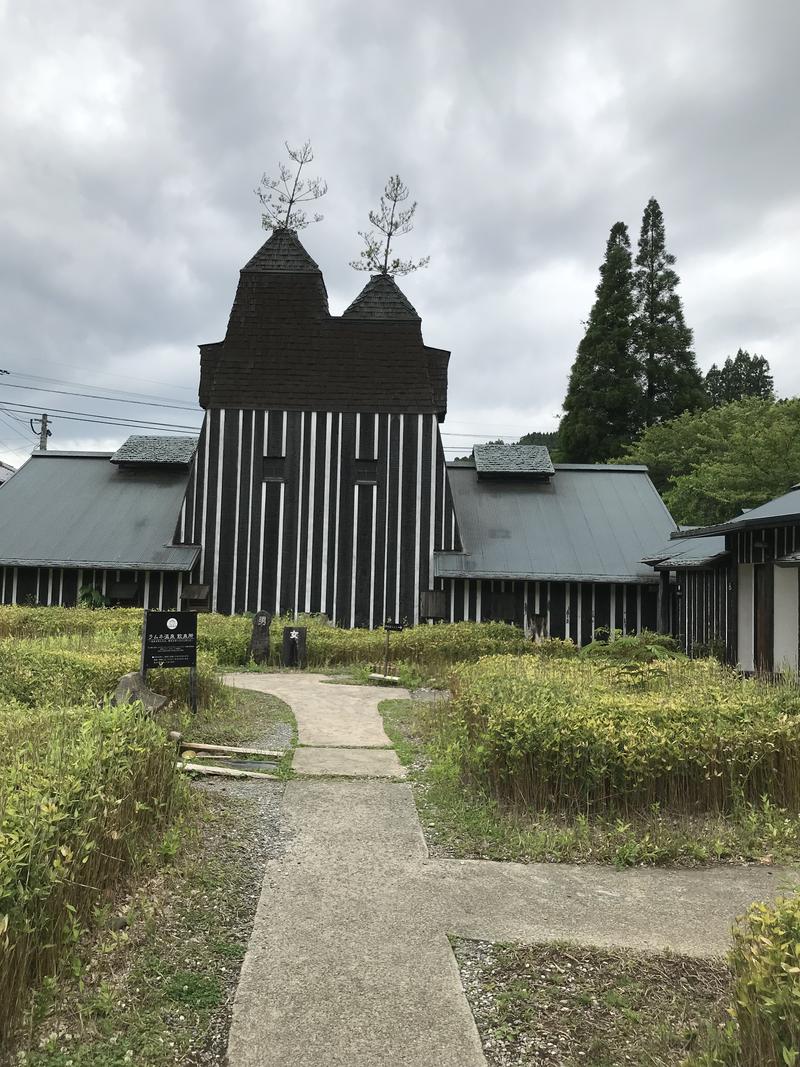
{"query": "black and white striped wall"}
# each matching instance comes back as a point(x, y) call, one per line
point(314, 511)
point(60, 586)
point(571, 610)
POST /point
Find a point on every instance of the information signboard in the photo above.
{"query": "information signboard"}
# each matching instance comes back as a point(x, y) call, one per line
point(169, 639)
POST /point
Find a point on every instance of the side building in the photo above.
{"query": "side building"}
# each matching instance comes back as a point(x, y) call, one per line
point(739, 585)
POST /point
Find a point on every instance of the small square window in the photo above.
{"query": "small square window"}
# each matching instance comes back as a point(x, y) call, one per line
point(366, 471)
point(273, 468)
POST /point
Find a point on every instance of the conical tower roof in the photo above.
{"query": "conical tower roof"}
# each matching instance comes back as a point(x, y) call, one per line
point(282, 253)
point(381, 298)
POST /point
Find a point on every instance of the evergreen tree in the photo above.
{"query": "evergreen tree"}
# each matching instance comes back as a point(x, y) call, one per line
point(673, 382)
point(603, 405)
point(737, 378)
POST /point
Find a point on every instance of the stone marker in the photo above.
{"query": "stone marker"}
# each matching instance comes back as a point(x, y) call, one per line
point(293, 653)
point(132, 688)
point(259, 639)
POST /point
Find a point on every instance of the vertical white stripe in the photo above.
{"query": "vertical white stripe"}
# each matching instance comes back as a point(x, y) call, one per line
point(3, 586)
point(466, 600)
point(312, 476)
point(300, 491)
point(204, 509)
point(591, 635)
point(260, 589)
point(50, 588)
point(612, 614)
point(387, 489)
point(183, 521)
point(238, 476)
point(14, 587)
point(547, 623)
point(358, 437)
point(452, 600)
point(77, 589)
point(537, 606)
point(433, 498)
point(326, 484)
point(624, 609)
point(418, 518)
point(61, 586)
point(180, 590)
point(355, 557)
point(478, 597)
point(399, 517)
point(147, 589)
point(38, 578)
point(104, 583)
point(579, 629)
point(337, 526)
point(279, 575)
point(372, 560)
point(160, 592)
point(250, 504)
point(218, 516)
point(638, 609)
point(284, 420)
point(196, 465)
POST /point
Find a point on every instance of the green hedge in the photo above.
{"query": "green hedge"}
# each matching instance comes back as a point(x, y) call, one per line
point(82, 790)
point(573, 736)
point(765, 1031)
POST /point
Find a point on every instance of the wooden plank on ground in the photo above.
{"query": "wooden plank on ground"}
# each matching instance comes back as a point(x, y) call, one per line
point(224, 772)
point(200, 747)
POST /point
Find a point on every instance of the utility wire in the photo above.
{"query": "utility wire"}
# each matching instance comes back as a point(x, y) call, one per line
point(97, 396)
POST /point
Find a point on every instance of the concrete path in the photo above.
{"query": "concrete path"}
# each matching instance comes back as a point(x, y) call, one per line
point(349, 961)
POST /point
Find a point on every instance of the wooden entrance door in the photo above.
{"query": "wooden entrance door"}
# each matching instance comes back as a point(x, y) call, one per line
point(763, 617)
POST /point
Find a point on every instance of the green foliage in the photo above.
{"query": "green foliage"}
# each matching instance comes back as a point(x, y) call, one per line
point(566, 736)
point(82, 791)
point(765, 960)
point(603, 405)
point(737, 378)
point(709, 465)
point(389, 221)
point(663, 342)
point(89, 597)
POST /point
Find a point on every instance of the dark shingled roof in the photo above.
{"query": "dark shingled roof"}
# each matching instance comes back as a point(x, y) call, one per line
point(283, 350)
point(508, 460)
point(381, 298)
point(282, 252)
point(72, 509)
point(156, 451)
point(691, 553)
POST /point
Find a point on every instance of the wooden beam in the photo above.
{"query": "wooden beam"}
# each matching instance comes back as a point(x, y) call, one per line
point(224, 772)
point(200, 747)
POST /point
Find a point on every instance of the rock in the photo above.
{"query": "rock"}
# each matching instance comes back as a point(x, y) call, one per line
point(132, 688)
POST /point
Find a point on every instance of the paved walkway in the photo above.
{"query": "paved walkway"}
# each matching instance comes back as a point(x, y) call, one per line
point(338, 726)
point(349, 961)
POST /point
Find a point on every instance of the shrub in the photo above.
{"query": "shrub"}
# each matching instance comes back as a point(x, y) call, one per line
point(561, 736)
point(766, 966)
point(82, 791)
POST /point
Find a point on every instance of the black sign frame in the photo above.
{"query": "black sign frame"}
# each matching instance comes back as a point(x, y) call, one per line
point(169, 639)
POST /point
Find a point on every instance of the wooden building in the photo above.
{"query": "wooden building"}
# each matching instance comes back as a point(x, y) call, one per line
point(319, 484)
point(739, 586)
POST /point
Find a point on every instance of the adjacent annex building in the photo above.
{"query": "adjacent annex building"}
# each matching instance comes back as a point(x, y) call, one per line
point(319, 484)
point(739, 586)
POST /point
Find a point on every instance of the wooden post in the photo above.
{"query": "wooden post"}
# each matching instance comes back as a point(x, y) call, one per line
point(193, 689)
point(142, 668)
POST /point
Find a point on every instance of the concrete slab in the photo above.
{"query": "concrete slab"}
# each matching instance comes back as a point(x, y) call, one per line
point(343, 968)
point(351, 762)
point(326, 714)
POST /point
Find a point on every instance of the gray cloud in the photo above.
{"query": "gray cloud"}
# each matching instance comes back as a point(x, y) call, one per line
point(134, 134)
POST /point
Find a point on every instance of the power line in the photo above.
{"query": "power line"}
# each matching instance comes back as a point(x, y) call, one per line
point(97, 396)
point(111, 420)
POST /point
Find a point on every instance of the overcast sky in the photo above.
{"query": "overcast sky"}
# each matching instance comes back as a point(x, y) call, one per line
point(133, 134)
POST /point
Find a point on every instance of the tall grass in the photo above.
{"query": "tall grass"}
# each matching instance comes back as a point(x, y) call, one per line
point(82, 791)
point(571, 736)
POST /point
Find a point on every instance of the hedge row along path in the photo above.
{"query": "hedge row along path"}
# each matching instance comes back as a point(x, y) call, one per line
point(349, 962)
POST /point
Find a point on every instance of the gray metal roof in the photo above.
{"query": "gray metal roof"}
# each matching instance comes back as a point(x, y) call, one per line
point(593, 523)
point(688, 553)
point(777, 512)
point(163, 451)
point(512, 459)
point(73, 510)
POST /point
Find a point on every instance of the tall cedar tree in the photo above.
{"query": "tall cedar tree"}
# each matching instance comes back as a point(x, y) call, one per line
point(737, 378)
point(673, 382)
point(603, 405)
